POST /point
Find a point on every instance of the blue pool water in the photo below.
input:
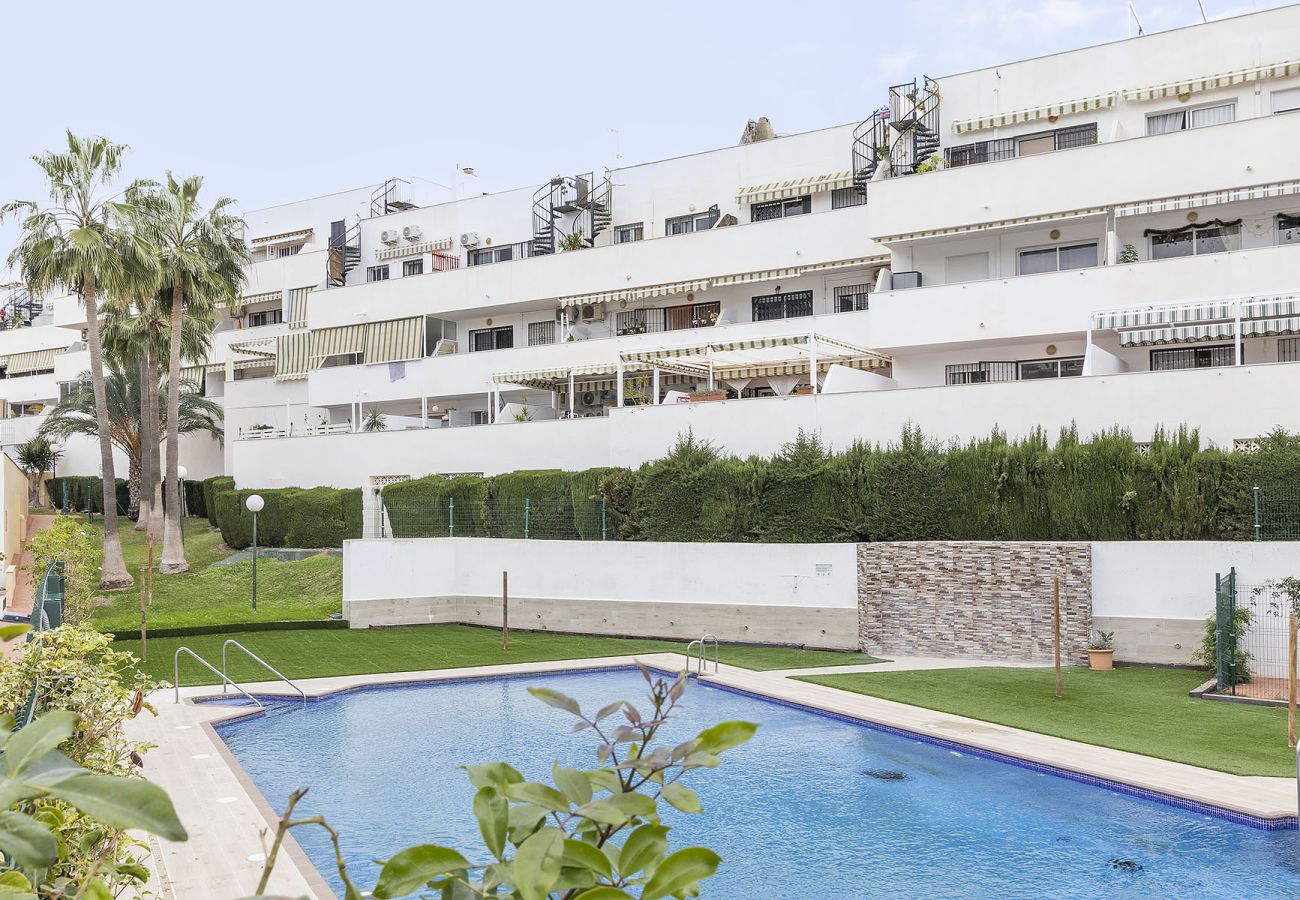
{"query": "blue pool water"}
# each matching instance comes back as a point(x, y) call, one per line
point(792, 813)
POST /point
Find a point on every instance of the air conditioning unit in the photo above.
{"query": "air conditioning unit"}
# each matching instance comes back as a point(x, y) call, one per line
point(592, 312)
point(469, 239)
point(412, 232)
point(390, 236)
point(589, 398)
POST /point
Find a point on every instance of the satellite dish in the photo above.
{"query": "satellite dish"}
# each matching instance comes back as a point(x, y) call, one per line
point(579, 332)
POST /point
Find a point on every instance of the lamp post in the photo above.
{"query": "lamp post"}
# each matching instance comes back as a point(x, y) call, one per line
point(181, 472)
point(254, 504)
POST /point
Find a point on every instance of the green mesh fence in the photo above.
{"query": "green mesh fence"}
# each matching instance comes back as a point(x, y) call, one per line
point(1277, 513)
point(550, 519)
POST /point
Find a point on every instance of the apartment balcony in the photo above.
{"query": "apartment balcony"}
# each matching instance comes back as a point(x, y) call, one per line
point(785, 243)
point(274, 275)
point(1086, 178)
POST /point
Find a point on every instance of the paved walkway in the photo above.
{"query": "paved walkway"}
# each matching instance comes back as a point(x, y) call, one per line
point(21, 601)
point(225, 813)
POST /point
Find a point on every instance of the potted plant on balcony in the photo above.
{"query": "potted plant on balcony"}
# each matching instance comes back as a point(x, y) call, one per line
point(1101, 651)
point(698, 396)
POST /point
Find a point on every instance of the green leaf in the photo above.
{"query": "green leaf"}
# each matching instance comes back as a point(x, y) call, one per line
point(14, 879)
point(96, 890)
point(619, 809)
point(9, 632)
point(417, 866)
point(580, 854)
point(645, 845)
point(679, 871)
point(537, 864)
point(538, 794)
point(50, 769)
point(681, 797)
point(493, 813)
point(556, 699)
point(31, 845)
point(123, 803)
point(609, 709)
point(38, 739)
point(605, 780)
point(496, 774)
point(524, 820)
point(724, 736)
point(573, 783)
point(603, 892)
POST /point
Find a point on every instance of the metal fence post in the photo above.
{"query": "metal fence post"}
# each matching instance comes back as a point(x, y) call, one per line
point(1259, 526)
point(602, 520)
point(451, 517)
point(527, 511)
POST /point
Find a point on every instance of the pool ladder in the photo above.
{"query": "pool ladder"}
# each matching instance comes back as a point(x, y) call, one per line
point(226, 679)
point(702, 644)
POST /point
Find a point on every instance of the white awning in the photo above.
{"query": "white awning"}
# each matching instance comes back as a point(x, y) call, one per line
point(264, 347)
point(990, 226)
point(1277, 306)
point(285, 237)
point(1210, 198)
point(795, 187)
point(1211, 82)
point(414, 249)
point(1051, 110)
point(882, 260)
point(1179, 334)
point(549, 379)
point(32, 361)
point(666, 289)
point(751, 277)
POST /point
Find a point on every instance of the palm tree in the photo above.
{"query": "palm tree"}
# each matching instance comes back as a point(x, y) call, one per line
point(123, 392)
point(202, 256)
point(76, 244)
point(36, 457)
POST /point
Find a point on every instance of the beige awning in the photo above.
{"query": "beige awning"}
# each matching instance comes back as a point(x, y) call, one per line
point(990, 226)
point(284, 237)
point(1050, 111)
point(1209, 198)
point(1212, 82)
point(1169, 314)
point(264, 347)
point(32, 361)
point(548, 379)
point(795, 187)
point(395, 340)
point(193, 375)
point(297, 312)
point(881, 260)
point(666, 289)
point(799, 367)
point(751, 277)
point(291, 356)
point(327, 342)
point(414, 249)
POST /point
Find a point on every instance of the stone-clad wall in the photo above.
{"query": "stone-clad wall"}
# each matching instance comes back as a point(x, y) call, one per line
point(976, 599)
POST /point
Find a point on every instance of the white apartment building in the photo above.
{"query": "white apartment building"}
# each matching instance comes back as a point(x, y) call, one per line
point(1108, 236)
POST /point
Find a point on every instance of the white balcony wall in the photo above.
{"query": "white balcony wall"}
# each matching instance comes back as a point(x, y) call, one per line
point(315, 213)
point(1255, 151)
point(30, 389)
point(305, 268)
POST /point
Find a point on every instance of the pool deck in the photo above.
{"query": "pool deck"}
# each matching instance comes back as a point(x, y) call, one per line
point(225, 813)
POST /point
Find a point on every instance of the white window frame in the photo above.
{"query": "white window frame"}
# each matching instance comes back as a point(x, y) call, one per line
point(1194, 234)
point(1058, 247)
point(637, 229)
point(1278, 230)
point(1187, 116)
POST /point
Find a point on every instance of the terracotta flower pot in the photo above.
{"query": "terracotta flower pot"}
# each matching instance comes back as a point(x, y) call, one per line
point(1101, 660)
point(705, 396)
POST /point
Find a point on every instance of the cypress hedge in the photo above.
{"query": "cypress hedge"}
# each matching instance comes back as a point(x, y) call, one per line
point(311, 518)
point(86, 490)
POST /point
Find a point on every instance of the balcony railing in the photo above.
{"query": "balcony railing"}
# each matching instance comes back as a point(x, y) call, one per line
point(486, 256)
point(668, 318)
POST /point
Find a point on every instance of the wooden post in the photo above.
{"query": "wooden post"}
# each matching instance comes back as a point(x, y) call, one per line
point(505, 610)
point(1290, 680)
point(144, 636)
point(150, 570)
point(1056, 628)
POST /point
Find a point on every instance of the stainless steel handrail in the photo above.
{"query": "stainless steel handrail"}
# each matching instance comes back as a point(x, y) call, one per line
point(176, 671)
point(702, 643)
point(274, 671)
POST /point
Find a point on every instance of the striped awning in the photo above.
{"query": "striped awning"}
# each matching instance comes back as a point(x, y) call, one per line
point(881, 260)
point(1212, 82)
point(1210, 198)
point(751, 277)
point(264, 347)
point(193, 374)
point(291, 353)
point(297, 310)
point(1000, 223)
point(414, 249)
point(1173, 314)
point(1051, 110)
point(720, 347)
point(32, 361)
point(327, 342)
point(284, 237)
point(666, 289)
point(798, 367)
point(1271, 327)
point(547, 379)
point(794, 187)
point(395, 340)
point(1178, 334)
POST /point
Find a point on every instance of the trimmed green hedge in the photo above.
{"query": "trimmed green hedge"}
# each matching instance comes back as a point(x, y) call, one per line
point(312, 518)
point(211, 487)
point(83, 489)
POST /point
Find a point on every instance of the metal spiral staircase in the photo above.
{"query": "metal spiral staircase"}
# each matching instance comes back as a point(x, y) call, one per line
point(897, 139)
point(566, 206)
point(19, 309)
point(344, 255)
point(394, 195)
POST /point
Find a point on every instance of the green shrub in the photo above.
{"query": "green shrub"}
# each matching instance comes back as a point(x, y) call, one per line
point(83, 490)
point(438, 507)
point(692, 494)
point(591, 517)
point(236, 522)
point(195, 502)
point(537, 502)
point(313, 518)
point(212, 487)
point(350, 500)
point(1209, 650)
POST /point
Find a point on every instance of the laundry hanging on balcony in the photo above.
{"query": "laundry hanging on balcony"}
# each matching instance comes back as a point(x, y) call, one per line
point(1032, 114)
point(1211, 82)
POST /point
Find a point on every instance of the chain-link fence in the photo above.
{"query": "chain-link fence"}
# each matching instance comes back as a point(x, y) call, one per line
point(527, 519)
point(1252, 630)
point(1277, 513)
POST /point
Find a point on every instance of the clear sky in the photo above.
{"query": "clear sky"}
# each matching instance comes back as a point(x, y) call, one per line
point(281, 99)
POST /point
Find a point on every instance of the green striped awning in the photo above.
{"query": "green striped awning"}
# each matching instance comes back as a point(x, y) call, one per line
point(666, 289)
point(32, 361)
point(799, 367)
point(296, 314)
point(751, 277)
point(414, 249)
point(327, 342)
point(1209, 198)
point(1051, 110)
point(395, 340)
point(544, 378)
point(193, 374)
point(881, 260)
point(291, 355)
point(978, 227)
point(1211, 82)
point(794, 187)
point(264, 347)
point(284, 237)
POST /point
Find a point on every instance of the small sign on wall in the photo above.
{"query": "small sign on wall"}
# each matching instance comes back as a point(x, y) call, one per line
point(823, 570)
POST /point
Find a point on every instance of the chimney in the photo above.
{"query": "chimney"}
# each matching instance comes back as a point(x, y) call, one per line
point(755, 131)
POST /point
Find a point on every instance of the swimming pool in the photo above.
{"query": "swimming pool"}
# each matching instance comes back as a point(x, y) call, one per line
point(794, 813)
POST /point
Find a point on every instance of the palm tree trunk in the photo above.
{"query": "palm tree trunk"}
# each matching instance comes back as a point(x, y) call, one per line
point(173, 556)
point(114, 573)
point(144, 484)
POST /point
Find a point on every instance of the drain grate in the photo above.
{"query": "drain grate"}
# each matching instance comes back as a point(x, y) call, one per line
point(1126, 865)
point(885, 774)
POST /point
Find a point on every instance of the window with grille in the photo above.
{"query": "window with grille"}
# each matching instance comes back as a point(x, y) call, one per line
point(980, 372)
point(502, 338)
point(541, 333)
point(841, 198)
point(1028, 145)
point(852, 297)
point(265, 317)
point(282, 252)
point(626, 234)
point(377, 273)
point(1076, 136)
point(688, 224)
point(1288, 349)
point(1193, 357)
point(782, 306)
point(413, 267)
point(780, 209)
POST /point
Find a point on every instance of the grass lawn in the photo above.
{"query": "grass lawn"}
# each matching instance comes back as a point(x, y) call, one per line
point(217, 595)
point(1142, 710)
point(312, 654)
